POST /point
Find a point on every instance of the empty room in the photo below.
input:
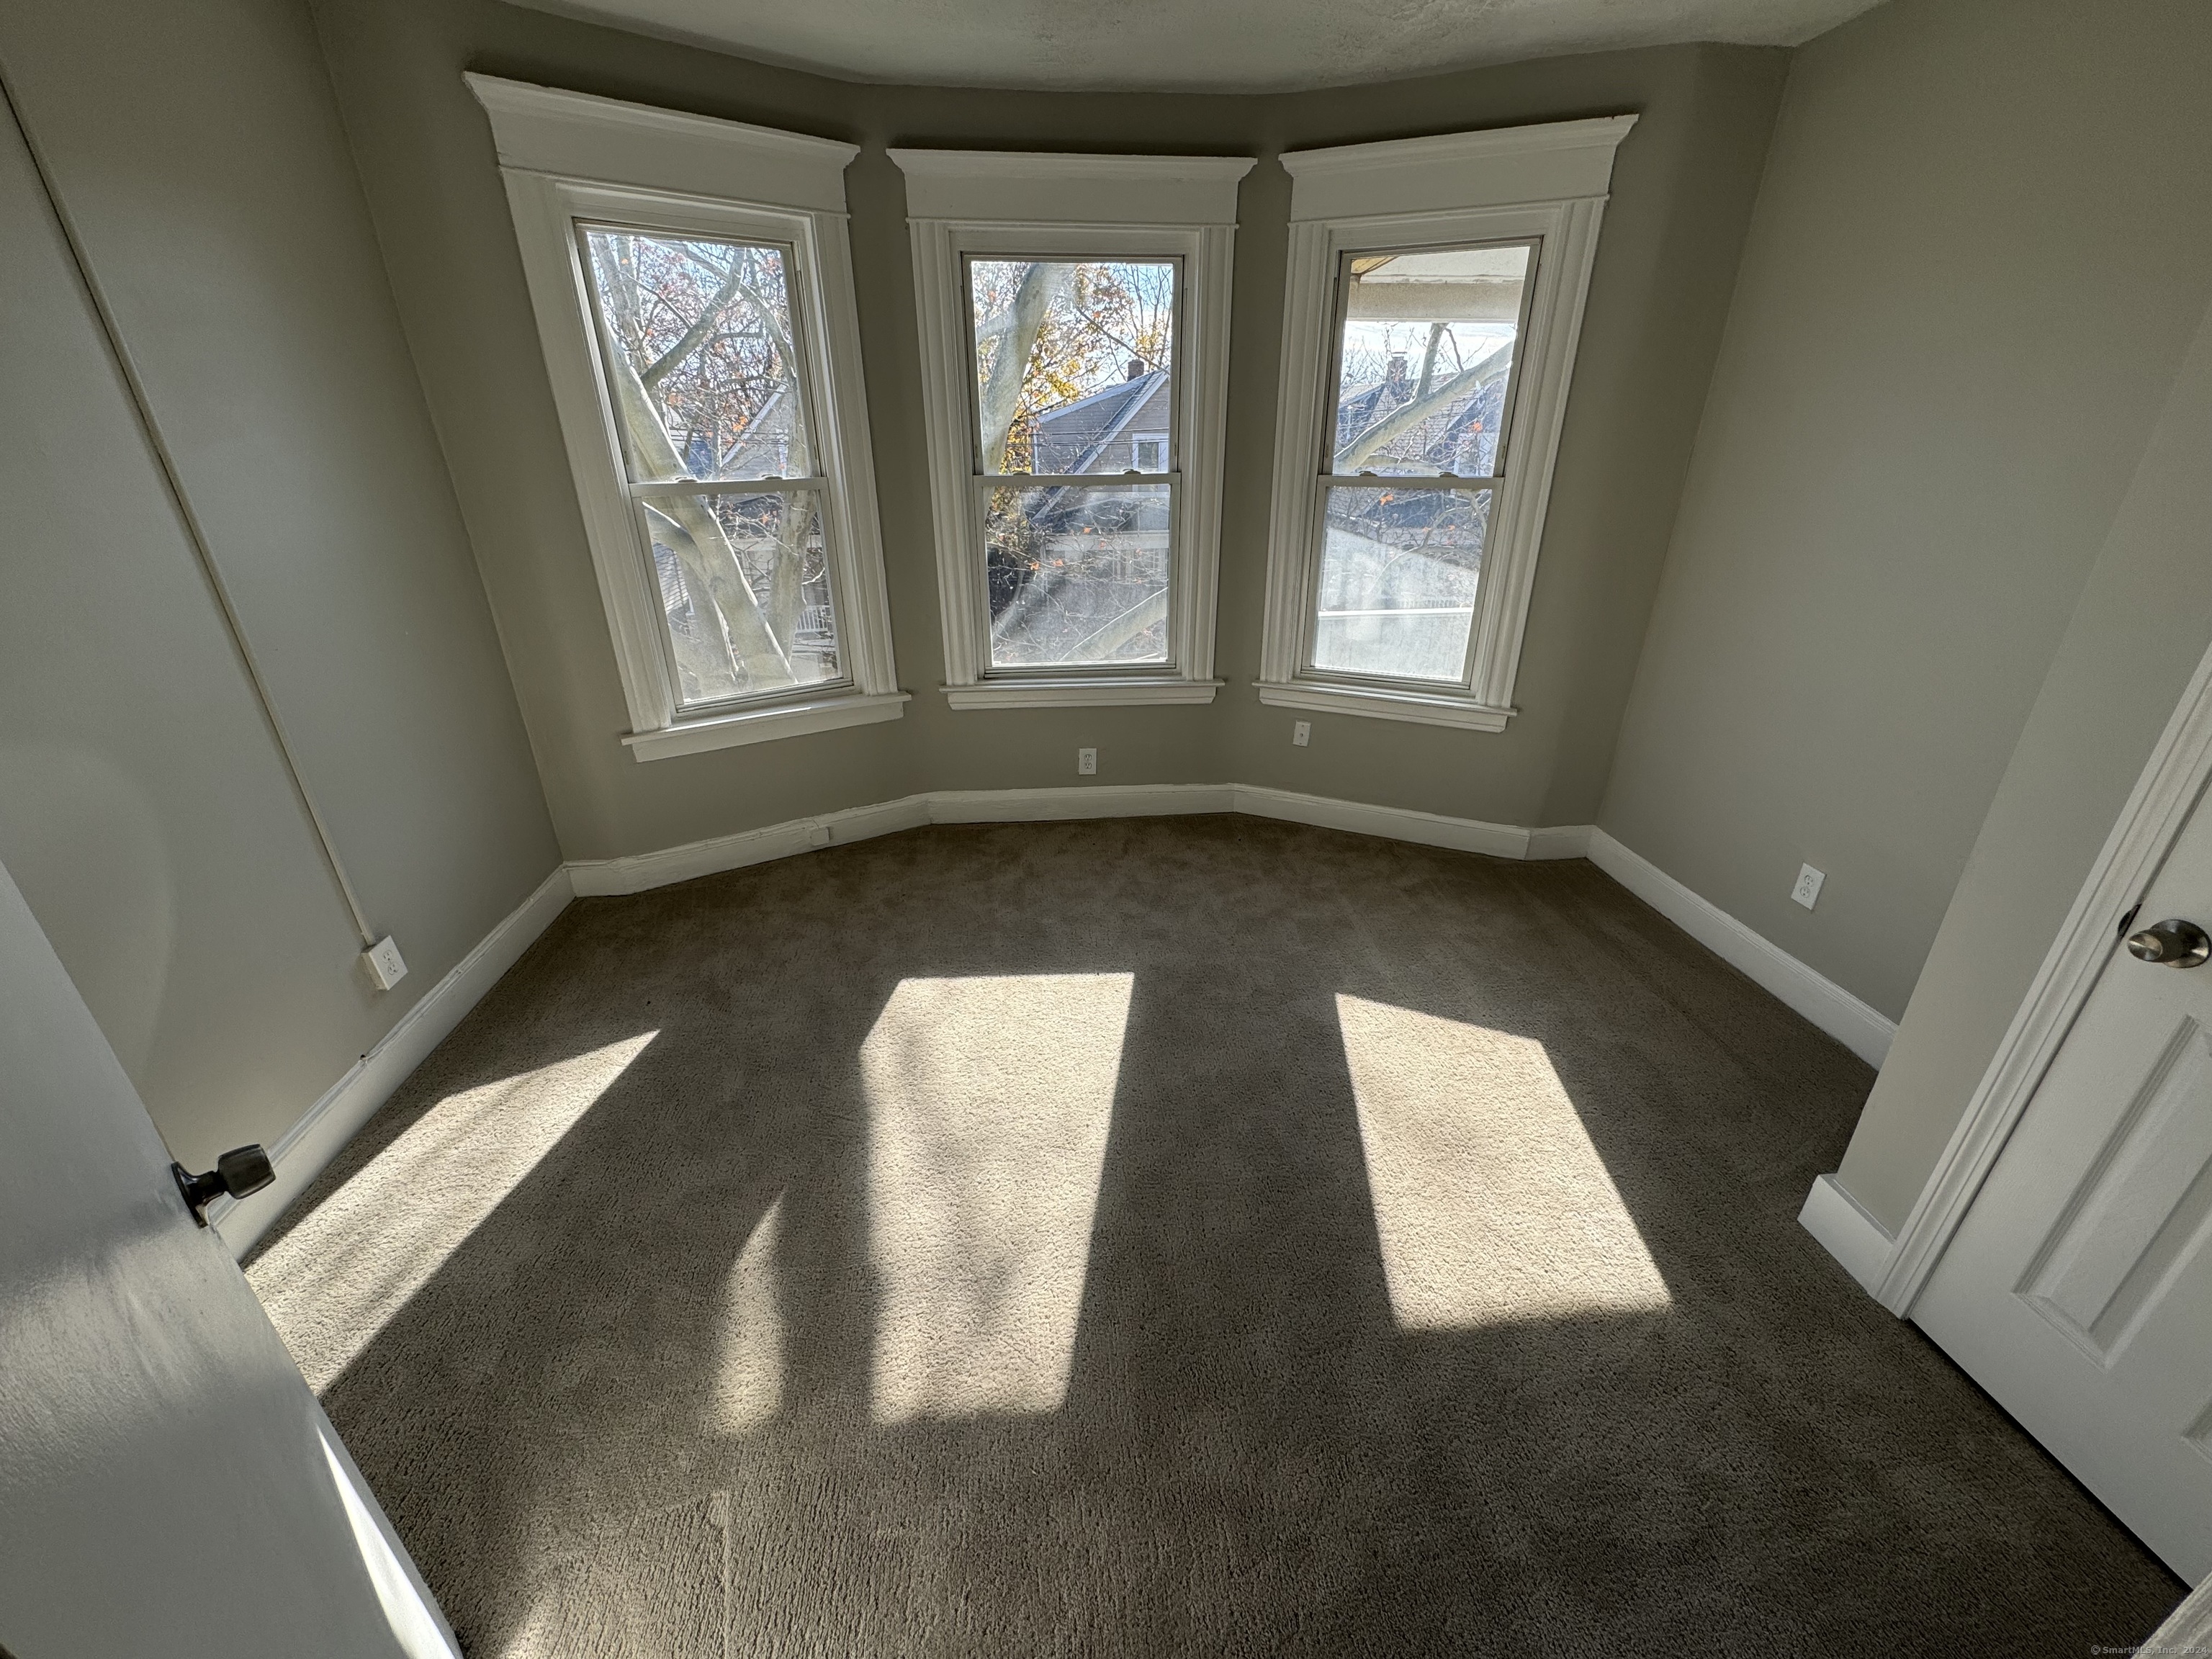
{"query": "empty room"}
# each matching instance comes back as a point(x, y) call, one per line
point(988, 829)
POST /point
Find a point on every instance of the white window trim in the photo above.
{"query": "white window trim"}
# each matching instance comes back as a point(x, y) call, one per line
point(565, 156)
point(1181, 207)
point(1547, 182)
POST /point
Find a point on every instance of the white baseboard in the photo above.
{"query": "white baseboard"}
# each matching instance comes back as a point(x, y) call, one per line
point(600, 878)
point(597, 876)
point(1503, 840)
point(1106, 800)
point(1847, 1232)
point(307, 1148)
point(1859, 1028)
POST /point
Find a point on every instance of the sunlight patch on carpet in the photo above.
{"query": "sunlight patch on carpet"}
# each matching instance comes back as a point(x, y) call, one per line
point(748, 1369)
point(1491, 1204)
point(338, 1277)
point(988, 1104)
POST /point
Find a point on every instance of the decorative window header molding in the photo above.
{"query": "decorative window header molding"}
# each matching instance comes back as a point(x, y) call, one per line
point(1558, 161)
point(572, 135)
point(1071, 190)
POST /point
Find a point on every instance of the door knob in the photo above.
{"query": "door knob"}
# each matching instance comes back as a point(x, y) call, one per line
point(240, 1170)
point(2173, 944)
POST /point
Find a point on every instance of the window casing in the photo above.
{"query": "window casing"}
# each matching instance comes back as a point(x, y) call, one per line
point(1434, 296)
point(1077, 522)
point(704, 359)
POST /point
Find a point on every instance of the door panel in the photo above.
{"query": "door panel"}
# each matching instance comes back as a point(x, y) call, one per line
point(2106, 1265)
point(2078, 1289)
point(168, 1484)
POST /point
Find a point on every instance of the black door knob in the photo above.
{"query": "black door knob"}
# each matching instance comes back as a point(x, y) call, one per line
point(240, 1170)
point(2173, 944)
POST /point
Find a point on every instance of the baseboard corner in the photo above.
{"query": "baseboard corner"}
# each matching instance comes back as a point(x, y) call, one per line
point(1561, 840)
point(1848, 1232)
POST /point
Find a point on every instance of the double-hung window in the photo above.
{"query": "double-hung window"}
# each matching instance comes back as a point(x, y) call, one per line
point(1435, 291)
point(694, 296)
point(1074, 328)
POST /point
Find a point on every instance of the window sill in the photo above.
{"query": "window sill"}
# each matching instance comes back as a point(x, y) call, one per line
point(1079, 693)
point(789, 719)
point(1427, 708)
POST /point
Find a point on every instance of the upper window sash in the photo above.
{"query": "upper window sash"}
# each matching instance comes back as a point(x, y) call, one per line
point(1160, 339)
point(1404, 612)
point(1398, 583)
point(1138, 626)
point(761, 461)
point(769, 555)
point(1336, 463)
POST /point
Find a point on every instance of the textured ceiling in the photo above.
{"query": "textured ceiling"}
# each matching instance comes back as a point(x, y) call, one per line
point(1194, 44)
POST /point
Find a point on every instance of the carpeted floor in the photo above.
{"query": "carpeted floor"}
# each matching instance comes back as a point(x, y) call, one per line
point(1154, 1236)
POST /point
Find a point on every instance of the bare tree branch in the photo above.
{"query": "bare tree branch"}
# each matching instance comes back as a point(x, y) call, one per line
point(1429, 358)
point(707, 558)
point(1000, 394)
point(1411, 413)
point(762, 308)
point(654, 372)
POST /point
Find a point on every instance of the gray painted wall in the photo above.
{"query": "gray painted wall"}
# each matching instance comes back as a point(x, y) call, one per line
point(1683, 190)
point(143, 809)
point(1980, 251)
point(2143, 621)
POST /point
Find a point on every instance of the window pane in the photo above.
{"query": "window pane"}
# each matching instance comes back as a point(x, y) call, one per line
point(745, 585)
point(696, 337)
point(1399, 570)
point(1074, 364)
point(1077, 574)
point(1423, 364)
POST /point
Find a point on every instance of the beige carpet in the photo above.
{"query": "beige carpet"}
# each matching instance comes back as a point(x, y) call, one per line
point(1154, 1237)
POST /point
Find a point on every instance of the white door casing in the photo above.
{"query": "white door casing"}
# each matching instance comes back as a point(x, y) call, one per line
point(2078, 1288)
point(167, 1483)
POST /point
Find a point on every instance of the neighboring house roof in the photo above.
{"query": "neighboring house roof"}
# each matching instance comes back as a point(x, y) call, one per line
point(1076, 434)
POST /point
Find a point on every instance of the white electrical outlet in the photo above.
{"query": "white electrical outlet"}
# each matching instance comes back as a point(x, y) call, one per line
point(1086, 761)
point(1809, 885)
point(819, 835)
point(1302, 733)
point(385, 966)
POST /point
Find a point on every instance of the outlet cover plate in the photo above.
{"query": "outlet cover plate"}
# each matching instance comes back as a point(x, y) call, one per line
point(1808, 889)
point(385, 966)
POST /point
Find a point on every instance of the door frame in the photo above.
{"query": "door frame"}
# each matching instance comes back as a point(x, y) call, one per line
point(2157, 810)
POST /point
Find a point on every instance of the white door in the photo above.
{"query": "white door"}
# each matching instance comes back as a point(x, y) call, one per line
point(168, 1486)
point(2078, 1289)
